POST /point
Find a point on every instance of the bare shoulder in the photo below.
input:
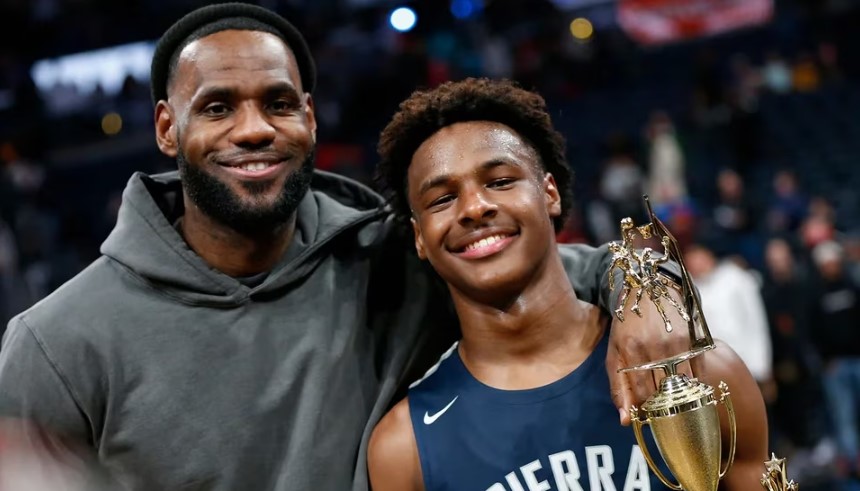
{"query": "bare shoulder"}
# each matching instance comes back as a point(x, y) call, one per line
point(392, 455)
point(724, 365)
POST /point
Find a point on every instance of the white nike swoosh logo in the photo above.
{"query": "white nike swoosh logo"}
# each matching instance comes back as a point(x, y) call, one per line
point(429, 420)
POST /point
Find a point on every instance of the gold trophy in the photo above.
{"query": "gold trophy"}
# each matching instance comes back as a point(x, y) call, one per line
point(683, 412)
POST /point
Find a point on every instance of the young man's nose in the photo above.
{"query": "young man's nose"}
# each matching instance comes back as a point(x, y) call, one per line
point(476, 207)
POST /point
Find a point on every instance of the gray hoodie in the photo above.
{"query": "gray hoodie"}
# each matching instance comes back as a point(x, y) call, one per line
point(178, 376)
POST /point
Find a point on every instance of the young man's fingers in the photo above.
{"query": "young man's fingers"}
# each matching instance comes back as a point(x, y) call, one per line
point(642, 382)
point(619, 386)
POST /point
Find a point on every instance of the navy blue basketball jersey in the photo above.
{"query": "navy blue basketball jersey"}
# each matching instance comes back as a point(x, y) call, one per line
point(564, 436)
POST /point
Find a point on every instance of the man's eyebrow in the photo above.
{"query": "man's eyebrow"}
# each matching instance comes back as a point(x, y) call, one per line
point(215, 93)
point(226, 93)
point(282, 88)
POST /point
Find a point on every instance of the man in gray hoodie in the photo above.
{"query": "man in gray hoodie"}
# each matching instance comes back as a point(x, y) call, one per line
point(250, 319)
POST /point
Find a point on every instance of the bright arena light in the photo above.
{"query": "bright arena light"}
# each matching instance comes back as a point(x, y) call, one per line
point(581, 29)
point(403, 19)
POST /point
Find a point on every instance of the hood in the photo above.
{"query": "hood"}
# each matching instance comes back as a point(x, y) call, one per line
point(145, 242)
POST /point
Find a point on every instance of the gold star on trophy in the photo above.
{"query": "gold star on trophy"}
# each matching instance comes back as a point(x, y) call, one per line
point(775, 479)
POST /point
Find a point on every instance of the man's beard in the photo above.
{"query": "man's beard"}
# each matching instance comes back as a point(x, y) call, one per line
point(219, 202)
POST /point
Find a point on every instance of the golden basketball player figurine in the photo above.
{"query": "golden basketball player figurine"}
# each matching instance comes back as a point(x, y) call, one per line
point(622, 259)
point(644, 276)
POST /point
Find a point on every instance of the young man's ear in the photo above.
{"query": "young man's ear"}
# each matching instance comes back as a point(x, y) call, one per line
point(419, 240)
point(553, 197)
point(165, 129)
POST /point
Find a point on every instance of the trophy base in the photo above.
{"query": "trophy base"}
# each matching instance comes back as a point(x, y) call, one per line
point(669, 364)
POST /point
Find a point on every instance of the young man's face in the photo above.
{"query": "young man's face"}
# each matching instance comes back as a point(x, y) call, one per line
point(482, 208)
point(240, 125)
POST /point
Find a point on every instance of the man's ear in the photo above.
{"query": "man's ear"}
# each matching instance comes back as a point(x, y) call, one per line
point(165, 129)
point(419, 240)
point(310, 114)
point(553, 198)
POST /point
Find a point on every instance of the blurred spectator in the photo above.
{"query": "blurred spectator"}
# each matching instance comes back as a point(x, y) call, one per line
point(733, 306)
point(820, 208)
point(789, 298)
point(602, 226)
point(776, 74)
point(805, 76)
point(837, 337)
point(747, 82)
point(816, 231)
point(666, 181)
point(25, 174)
point(732, 218)
point(788, 206)
point(622, 181)
point(817, 227)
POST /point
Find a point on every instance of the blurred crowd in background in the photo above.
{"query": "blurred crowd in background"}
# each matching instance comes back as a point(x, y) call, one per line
point(747, 142)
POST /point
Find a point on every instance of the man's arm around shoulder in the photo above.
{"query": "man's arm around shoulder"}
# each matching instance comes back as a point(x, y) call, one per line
point(587, 267)
point(723, 365)
point(392, 455)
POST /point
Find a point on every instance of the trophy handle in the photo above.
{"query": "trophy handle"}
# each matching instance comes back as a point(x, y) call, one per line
point(640, 439)
point(726, 399)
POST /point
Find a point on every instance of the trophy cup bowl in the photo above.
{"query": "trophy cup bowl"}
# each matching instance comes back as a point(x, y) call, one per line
point(685, 425)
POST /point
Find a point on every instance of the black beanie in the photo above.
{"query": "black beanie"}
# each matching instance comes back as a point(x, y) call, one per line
point(184, 27)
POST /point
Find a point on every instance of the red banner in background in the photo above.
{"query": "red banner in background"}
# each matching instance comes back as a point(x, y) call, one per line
point(653, 22)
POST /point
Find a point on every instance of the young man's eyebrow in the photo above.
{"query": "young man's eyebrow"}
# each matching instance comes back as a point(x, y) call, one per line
point(436, 181)
point(499, 162)
point(443, 179)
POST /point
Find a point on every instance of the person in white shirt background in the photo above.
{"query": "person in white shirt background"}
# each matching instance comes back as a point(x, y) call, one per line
point(734, 309)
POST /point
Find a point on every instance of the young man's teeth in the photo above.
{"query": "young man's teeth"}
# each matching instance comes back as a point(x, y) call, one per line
point(255, 166)
point(484, 242)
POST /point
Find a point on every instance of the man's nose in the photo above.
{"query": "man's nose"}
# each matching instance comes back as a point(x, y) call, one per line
point(475, 207)
point(252, 128)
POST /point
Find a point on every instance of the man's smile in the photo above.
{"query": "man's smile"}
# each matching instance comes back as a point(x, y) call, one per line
point(253, 166)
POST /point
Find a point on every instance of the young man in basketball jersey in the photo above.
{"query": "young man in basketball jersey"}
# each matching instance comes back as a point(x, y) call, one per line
point(521, 402)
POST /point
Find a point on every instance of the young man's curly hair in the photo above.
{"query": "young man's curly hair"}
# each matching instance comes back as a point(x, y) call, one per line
point(501, 101)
